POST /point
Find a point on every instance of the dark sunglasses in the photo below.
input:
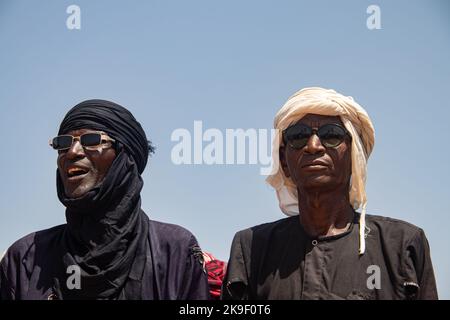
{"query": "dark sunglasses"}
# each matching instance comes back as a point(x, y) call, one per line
point(331, 135)
point(90, 141)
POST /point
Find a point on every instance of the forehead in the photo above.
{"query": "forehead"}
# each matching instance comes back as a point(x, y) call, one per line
point(317, 120)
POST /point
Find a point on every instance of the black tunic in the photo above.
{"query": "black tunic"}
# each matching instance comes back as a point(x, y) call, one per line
point(280, 261)
point(173, 268)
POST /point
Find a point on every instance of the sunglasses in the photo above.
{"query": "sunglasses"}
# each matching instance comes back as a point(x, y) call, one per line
point(331, 135)
point(89, 141)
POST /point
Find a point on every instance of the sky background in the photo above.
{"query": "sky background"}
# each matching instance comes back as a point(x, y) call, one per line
point(231, 64)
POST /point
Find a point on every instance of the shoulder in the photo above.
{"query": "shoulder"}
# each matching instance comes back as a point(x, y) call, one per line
point(393, 228)
point(20, 248)
point(394, 233)
point(391, 222)
point(19, 260)
point(173, 246)
point(265, 232)
point(172, 234)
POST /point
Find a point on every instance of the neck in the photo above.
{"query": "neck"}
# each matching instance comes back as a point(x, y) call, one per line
point(325, 213)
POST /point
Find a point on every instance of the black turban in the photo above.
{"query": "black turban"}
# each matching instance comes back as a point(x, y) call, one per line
point(106, 231)
point(113, 119)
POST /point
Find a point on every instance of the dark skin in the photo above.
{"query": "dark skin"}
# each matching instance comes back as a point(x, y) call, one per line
point(94, 164)
point(322, 176)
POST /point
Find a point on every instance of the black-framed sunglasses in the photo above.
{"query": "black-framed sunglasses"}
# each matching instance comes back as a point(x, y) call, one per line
point(90, 141)
point(331, 135)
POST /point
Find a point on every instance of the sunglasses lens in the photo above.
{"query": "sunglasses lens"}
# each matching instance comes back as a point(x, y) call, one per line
point(331, 135)
point(61, 142)
point(298, 143)
point(298, 135)
point(90, 139)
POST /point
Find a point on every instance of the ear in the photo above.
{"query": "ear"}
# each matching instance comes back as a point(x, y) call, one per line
point(283, 162)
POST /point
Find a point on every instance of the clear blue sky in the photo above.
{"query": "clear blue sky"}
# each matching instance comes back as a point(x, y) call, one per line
point(231, 64)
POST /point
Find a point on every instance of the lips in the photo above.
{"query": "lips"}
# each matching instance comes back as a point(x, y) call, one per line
point(75, 172)
point(315, 164)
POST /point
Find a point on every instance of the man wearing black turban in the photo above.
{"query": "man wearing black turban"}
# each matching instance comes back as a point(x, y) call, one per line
point(109, 248)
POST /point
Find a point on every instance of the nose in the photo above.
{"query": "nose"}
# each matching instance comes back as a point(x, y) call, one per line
point(314, 145)
point(76, 151)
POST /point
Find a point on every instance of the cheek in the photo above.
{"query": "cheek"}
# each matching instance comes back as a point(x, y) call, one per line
point(343, 162)
point(101, 162)
point(293, 163)
point(60, 161)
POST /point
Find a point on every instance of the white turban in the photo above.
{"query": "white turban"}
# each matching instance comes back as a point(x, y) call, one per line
point(356, 121)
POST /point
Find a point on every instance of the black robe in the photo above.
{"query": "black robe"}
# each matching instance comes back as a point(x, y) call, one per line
point(280, 261)
point(173, 269)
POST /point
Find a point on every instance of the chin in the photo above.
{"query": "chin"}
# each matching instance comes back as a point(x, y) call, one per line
point(319, 182)
point(74, 195)
point(78, 192)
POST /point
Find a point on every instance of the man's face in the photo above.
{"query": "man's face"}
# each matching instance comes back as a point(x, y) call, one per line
point(316, 167)
point(82, 169)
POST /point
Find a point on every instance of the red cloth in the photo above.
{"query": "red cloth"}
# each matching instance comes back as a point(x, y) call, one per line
point(216, 272)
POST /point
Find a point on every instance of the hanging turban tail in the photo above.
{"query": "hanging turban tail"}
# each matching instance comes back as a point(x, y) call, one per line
point(113, 119)
point(355, 119)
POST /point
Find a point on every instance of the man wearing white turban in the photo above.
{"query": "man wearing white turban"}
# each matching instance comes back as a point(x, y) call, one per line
point(326, 249)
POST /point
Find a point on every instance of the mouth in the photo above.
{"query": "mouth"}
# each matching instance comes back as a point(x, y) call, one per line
point(315, 166)
point(75, 173)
